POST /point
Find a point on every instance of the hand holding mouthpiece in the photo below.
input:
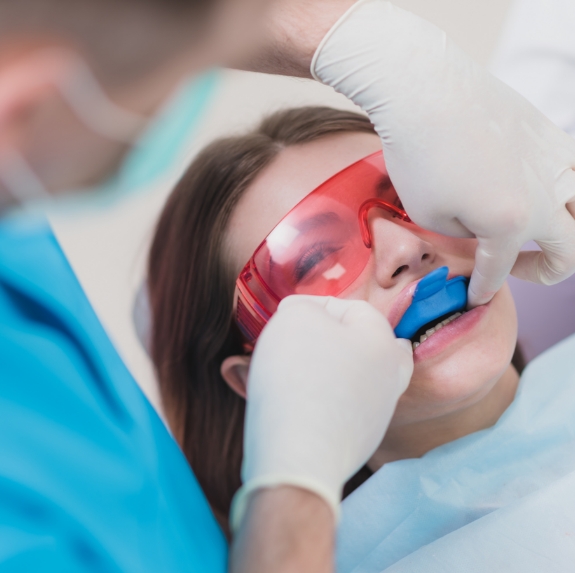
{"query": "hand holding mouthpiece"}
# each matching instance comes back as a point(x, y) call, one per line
point(323, 384)
point(467, 155)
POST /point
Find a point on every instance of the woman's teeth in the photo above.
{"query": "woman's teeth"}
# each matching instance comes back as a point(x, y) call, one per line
point(437, 327)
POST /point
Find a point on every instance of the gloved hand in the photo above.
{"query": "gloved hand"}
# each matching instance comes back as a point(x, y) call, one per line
point(323, 384)
point(467, 154)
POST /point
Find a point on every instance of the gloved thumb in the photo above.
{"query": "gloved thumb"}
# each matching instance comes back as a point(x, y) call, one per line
point(405, 364)
point(556, 260)
point(494, 259)
point(405, 345)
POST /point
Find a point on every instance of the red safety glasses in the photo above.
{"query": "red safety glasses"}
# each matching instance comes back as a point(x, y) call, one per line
point(320, 247)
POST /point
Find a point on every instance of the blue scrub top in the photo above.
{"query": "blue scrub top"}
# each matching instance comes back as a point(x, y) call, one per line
point(90, 479)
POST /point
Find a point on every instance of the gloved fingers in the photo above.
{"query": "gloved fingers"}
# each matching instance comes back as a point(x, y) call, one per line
point(494, 259)
point(335, 308)
point(358, 313)
point(445, 225)
point(405, 363)
point(365, 321)
point(405, 345)
point(565, 189)
point(298, 299)
point(345, 311)
point(556, 261)
point(328, 307)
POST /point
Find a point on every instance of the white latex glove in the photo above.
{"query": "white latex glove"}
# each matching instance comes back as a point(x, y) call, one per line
point(467, 154)
point(323, 384)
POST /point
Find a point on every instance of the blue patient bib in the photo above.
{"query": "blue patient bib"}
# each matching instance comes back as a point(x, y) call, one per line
point(90, 478)
point(502, 499)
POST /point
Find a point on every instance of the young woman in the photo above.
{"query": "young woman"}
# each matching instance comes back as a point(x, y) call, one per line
point(231, 197)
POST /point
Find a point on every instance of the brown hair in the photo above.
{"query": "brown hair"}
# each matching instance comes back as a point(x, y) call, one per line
point(191, 290)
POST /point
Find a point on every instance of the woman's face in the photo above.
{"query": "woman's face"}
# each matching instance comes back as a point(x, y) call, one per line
point(454, 367)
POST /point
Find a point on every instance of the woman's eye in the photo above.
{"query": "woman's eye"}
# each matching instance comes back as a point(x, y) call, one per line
point(312, 258)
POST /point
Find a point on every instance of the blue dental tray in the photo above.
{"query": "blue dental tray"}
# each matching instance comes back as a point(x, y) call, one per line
point(434, 297)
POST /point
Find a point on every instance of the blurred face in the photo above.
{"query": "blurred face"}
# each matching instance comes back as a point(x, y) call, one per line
point(456, 366)
point(58, 146)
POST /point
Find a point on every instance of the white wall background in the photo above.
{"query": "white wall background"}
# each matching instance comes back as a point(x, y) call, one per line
point(107, 246)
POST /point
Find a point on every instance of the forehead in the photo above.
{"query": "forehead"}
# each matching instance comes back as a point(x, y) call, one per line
point(293, 174)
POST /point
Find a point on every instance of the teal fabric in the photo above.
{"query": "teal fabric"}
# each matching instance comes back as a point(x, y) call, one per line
point(90, 479)
point(460, 505)
point(156, 153)
point(163, 141)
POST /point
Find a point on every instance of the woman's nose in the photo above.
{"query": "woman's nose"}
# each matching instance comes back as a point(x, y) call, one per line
point(399, 252)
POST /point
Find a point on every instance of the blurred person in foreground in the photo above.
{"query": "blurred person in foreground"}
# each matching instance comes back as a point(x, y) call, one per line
point(90, 479)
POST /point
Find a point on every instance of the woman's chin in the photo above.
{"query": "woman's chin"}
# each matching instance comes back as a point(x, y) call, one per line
point(462, 367)
point(432, 398)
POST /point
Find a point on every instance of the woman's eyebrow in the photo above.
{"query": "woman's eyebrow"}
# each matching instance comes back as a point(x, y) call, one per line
point(321, 219)
point(384, 185)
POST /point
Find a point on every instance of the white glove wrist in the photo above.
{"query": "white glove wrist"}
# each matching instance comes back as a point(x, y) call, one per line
point(242, 496)
point(323, 383)
point(330, 32)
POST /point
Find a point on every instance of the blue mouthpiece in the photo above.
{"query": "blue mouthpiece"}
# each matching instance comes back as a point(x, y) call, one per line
point(433, 298)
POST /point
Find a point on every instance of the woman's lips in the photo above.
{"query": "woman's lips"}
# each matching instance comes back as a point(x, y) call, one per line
point(401, 304)
point(450, 333)
point(403, 301)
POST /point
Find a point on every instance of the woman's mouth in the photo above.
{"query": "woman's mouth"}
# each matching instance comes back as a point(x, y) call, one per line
point(434, 300)
point(430, 329)
point(446, 333)
point(431, 313)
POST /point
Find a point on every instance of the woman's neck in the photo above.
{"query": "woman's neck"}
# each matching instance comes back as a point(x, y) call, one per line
point(414, 440)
